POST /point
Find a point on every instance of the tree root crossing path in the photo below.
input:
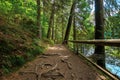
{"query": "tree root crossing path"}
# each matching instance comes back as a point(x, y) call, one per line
point(57, 63)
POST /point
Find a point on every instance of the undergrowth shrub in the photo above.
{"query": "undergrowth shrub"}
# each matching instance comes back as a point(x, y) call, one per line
point(5, 69)
point(49, 41)
point(17, 60)
point(11, 62)
point(35, 48)
point(30, 25)
point(4, 29)
point(6, 46)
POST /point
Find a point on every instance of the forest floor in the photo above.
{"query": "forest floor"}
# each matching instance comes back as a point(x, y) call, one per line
point(57, 63)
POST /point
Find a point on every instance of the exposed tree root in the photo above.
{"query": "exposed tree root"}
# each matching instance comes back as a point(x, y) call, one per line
point(52, 74)
point(68, 63)
point(53, 54)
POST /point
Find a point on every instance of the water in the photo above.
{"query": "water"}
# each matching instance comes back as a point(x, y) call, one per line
point(114, 69)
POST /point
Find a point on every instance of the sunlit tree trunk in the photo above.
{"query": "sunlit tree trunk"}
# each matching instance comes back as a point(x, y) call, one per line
point(69, 23)
point(39, 20)
point(99, 32)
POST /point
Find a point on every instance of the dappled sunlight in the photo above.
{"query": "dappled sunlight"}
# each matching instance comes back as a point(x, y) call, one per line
point(65, 56)
point(56, 48)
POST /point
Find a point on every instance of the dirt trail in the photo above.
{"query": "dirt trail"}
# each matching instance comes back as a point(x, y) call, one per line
point(57, 63)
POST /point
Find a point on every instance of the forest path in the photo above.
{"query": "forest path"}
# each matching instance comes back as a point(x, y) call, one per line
point(58, 63)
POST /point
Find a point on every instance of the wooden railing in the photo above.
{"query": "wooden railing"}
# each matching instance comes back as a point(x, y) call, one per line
point(107, 42)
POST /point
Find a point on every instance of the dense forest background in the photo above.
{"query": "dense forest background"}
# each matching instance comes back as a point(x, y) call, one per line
point(25, 25)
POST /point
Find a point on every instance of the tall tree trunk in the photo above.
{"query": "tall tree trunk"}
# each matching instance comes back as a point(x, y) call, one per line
point(74, 33)
point(62, 28)
point(55, 33)
point(69, 23)
point(99, 32)
point(62, 22)
point(38, 19)
point(43, 18)
point(51, 21)
point(53, 28)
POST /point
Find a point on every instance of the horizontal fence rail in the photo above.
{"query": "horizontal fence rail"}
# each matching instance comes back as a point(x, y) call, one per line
point(107, 42)
point(102, 42)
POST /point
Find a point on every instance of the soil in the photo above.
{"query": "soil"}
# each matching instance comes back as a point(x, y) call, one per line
point(58, 63)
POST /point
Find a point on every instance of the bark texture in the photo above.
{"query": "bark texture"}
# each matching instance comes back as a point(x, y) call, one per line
point(99, 32)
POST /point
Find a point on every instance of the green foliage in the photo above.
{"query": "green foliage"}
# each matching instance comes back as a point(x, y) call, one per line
point(11, 62)
point(33, 51)
point(17, 46)
point(112, 29)
point(6, 70)
point(17, 60)
point(113, 52)
point(5, 7)
point(49, 41)
point(6, 46)
point(29, 24)
point(36, 49)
